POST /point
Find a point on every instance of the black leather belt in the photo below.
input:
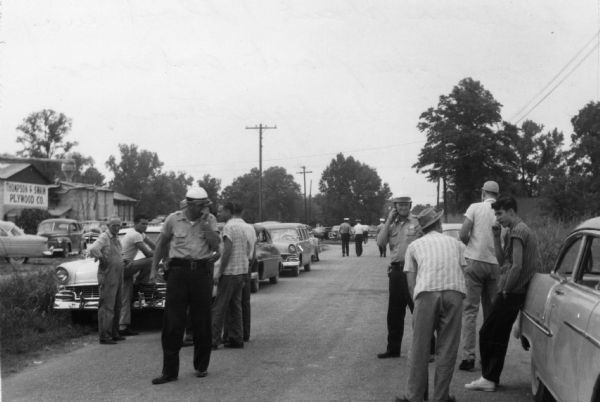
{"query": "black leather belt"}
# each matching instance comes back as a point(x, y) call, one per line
point(185, 263)
point(397, 266)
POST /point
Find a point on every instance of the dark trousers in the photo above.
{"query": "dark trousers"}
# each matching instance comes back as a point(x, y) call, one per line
point(398, 301)
point(495, 334)
point(345, 244)
point(187, 286)
point(382, 251)
point(246, 311)
point(358, 242)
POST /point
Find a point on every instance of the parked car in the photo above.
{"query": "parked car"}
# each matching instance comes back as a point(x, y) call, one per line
point(321, 232)
point(316, 243)
point(560, 321)
point(293, 242)
point(65, 236)
point(267, 262)
point(17, 247)
point(452, 229)
point(334, 233)
point(78, 284)
point(91, 231)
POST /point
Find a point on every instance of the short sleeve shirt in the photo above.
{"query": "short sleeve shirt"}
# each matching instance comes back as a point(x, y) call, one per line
point(481, 240)
point(517, 282)
point(188, 239)
point(345, 228)
point(237, 231)
point(129, 241)
point(400, 235)
point(438, 261)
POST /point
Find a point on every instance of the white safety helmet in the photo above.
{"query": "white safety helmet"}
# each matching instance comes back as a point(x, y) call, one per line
point(197, 194)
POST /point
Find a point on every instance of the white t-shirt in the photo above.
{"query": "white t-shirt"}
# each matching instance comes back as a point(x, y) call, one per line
point(128, 244)
point(481, 241)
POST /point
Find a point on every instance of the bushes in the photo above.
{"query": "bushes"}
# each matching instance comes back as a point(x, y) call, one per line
point(551, 233)
point(29, 219)
point(27, 320)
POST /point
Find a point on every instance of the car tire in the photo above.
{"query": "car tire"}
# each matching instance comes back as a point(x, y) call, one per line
point(315, 257)
point(254, 286)
point(296, 271)
point(16, 260)
point(66, 250)
point(274, 279)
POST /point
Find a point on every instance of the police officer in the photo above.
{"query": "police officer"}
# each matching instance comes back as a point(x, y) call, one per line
point(399, 230)
point(190, 241)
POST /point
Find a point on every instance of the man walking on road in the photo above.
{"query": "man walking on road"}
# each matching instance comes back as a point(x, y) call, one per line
point(190, 240)
point(238, 247)
point(358, 237)
point(434, 270)
point(399, 230)
point(481, 274)
point(382, 250)
point(518, 261)
point(107, 249)
point(138, 271)
point(345, 229)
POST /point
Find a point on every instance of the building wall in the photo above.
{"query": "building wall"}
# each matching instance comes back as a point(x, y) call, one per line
point(87, 204)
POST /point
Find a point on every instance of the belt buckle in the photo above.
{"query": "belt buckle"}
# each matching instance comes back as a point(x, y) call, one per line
point(193, 265)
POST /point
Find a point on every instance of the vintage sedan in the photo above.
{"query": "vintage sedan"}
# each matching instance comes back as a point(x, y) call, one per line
point(78, 284)
point(292, 240)
point(560, 321)
point(267, 262)
point(65, 236)
point(91, 231)
point(16, 246)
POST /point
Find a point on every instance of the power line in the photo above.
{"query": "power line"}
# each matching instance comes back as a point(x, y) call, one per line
point(260, 129)
point(303, 173)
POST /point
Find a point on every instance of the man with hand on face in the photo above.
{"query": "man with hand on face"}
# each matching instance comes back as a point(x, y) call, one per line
point(399, 230)
point(190, 240)
point(107, 249)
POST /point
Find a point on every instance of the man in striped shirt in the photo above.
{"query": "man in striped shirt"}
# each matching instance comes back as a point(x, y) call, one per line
point(518, 261)
point(434, 267)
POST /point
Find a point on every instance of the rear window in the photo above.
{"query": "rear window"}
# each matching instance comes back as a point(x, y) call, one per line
point(284, 234)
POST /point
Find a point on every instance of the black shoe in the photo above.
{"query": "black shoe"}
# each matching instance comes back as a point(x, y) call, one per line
point(118, 338)
point(107, 342)
point(201, 374)
point(127, 332)
point(234, 345)
point(387, 355)
point(163, 379)
point(467, 365)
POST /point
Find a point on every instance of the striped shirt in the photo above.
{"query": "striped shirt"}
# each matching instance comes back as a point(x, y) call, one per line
point(515, 280)
point(242, 238)
point(438, 261)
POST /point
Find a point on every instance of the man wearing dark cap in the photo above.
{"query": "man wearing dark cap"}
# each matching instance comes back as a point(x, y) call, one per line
point(481, 274)
point(399, 230)
point(190, 240)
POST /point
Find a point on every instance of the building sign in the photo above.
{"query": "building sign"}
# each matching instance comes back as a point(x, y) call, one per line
point(25, 195)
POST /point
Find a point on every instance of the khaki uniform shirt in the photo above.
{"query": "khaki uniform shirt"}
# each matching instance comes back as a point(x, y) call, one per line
point(399, 235)
point(187, 239)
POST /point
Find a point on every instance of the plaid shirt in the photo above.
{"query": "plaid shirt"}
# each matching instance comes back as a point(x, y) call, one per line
point(242, 238)
point(438, 261)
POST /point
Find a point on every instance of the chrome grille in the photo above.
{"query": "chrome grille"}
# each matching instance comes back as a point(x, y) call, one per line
point(88, 292)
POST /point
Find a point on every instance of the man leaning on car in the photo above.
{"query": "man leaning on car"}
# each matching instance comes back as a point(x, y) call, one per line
point(107, 249)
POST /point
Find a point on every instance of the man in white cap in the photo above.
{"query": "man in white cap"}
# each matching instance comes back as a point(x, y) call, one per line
point(107, 249)
point(434, 271)
point(345, 230)
point(482, 272)
point(382, 248)
point(359, 233)
point(190, 240)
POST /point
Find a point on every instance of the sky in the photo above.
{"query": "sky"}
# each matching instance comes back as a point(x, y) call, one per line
point(186, 78)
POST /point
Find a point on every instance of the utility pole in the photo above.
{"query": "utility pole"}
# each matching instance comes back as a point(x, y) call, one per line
point(260, 129)
point(303, 173)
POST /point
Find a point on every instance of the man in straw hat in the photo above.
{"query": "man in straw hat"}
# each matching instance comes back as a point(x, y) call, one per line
point(434, 271)
point(399, 230)
point(190, 241)
point(107, 249)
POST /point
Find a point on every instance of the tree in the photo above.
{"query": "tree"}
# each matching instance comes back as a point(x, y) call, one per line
point(44, 135)
point(463, 149)
point(281, 195)
point(353, 189)
point(85, 172)
point(139, 175)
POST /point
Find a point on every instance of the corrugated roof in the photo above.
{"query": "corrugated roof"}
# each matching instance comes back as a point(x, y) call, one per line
point(7, 170)
point(123, 197)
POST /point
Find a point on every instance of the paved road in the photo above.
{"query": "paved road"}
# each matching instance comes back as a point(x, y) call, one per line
point(314, 338)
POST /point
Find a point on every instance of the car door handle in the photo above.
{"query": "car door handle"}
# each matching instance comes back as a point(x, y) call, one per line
point(558, 292)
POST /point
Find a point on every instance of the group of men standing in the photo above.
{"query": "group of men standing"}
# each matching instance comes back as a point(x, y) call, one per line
point(443, 280)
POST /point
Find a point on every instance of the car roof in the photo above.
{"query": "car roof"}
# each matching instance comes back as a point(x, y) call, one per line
point(590, 224)
point(6, 225)
point(281, 225)
point(60, 220)
point(451, 226)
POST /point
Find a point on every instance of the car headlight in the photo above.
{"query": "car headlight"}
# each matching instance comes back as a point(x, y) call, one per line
point(62, 275)
point(292, 249)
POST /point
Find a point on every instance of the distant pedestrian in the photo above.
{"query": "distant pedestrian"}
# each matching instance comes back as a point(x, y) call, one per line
point(519, 260)
point(107, 249)
point(481, 274)
point(434, 269)
point(137, 271)
point(238, 248)
point(344, 231)
point(359, 231)
point(382, 249)
point(190, 241)
point(400, 229)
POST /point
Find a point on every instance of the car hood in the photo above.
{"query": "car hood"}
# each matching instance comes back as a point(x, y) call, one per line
point(81, 272)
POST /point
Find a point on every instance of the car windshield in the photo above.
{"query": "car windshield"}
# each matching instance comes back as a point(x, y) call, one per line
point(98, 227)
point(56, 227)
point(284, 235)
point(11, 231)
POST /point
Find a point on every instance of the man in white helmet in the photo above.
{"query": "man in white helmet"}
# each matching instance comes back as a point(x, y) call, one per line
point(190, 241)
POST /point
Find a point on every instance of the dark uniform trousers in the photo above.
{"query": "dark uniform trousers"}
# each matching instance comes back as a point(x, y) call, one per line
point(358, 242)
point(189, 284)
point(345, 243)
point(399, 299)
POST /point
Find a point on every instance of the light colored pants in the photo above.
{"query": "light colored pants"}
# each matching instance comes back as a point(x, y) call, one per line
point(481, 279)
point(440, 311)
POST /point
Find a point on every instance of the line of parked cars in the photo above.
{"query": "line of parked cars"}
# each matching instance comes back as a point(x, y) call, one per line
point(280, 247)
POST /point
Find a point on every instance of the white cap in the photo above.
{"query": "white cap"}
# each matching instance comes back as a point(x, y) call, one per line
point(197, 193)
